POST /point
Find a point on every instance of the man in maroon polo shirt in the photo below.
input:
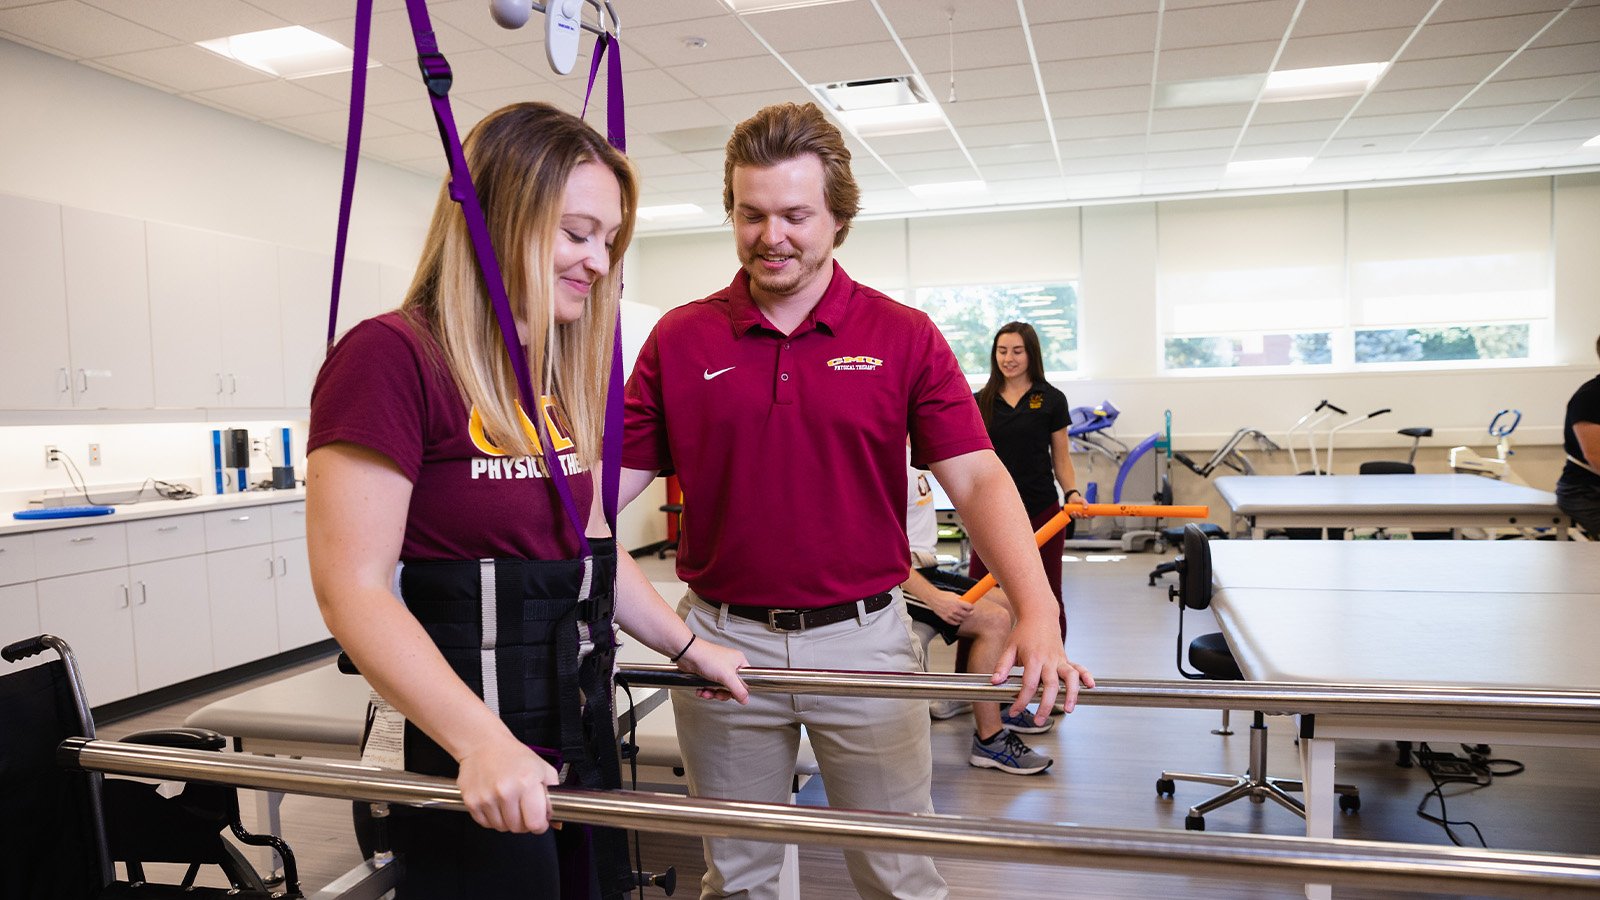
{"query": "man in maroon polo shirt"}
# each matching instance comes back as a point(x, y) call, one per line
point(783, 402)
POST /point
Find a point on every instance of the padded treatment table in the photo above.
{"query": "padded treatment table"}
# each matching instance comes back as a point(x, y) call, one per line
point(1501, 614)
point(1421, 502)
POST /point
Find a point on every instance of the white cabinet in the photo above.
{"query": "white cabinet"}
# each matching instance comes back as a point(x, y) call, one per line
point(93, 613)
point(108, 316)
point(214, 319)
point(16, 559)
point(247, 285)
point(304, 281)
point(185, 317)
point(35, 367)
point(171, 621)
point(19, 616)
point(299, 619)
point(244, 606)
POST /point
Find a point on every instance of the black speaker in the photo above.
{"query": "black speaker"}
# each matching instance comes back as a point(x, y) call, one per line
point(236, 448)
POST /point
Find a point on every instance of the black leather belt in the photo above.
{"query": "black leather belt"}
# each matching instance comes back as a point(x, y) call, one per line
point(801, 619)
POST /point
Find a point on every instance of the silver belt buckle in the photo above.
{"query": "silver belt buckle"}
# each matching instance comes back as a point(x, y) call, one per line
point(798, 619)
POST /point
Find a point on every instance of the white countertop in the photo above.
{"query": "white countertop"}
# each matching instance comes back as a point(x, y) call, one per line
point(155, 508)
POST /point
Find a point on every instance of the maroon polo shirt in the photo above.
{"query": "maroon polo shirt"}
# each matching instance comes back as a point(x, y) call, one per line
point(791, 448)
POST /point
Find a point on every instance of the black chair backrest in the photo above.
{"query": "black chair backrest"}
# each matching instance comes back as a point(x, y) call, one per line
point(1387, 467)
point(1194, 576)
point(53, 854)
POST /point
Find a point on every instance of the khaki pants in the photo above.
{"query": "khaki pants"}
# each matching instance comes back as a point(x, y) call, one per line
point(873, 752)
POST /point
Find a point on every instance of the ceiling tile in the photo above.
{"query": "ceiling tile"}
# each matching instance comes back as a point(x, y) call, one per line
point(887, 145)
point(811, 27)
point(406, 147)
point(852, 62)
point(391, 41)
point(1303, 110)
point(1584, 108)
point(1102, 126)
point(646, 14)
point(734, 76)
point(1527, 90)
point(1101, 72)
point(1407, 123)
point(1544, 61)
point(1039, 151)
point(738, 107)
point(1462, 10)
point(1386, 102)
point(1086, 147)
point(1488, 116)
point(995, 82)
point(1105, 101)
point(495, 98)
point(1232, 116)
point(77, 30)
point(1473, 138)
point(1226, 24)
point(1422, 73)
point(1179, 159)
point(1030, 132)
point(1505, 33)
point(385, 84)
point(1335, 17)
point(189, 21)
point(1079, 39)
point(1043, 11)
point(1289, 131)
point(1206, 138)
point(334, 127)
point(993, 112)
point(182, 68)
point(677, 114)
point(907, 163)
point(664, 44)
point(973, 49)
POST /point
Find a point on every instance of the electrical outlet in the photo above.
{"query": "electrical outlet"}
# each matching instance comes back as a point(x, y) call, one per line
point(50, 458)
point(94, 454)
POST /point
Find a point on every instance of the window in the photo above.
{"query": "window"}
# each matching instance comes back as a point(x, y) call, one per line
point(1425, 276)
point(970, 315)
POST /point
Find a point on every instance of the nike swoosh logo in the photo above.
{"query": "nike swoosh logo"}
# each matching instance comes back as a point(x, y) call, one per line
point(710, 374)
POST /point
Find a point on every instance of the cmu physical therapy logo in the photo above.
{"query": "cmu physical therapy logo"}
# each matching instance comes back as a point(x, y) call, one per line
point(495, 464)
point(854, 363)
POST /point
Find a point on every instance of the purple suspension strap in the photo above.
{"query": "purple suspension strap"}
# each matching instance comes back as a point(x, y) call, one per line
point(436, 75)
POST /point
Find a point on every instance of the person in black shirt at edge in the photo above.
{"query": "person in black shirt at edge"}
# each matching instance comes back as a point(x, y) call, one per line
point(1027, 421)
point(1578, 491)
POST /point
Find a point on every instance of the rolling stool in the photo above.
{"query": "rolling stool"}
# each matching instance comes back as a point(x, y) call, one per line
point(1209, 654)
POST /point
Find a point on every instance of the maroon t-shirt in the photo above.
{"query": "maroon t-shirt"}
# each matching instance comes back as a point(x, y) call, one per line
point(791, 449)
point(385, 386)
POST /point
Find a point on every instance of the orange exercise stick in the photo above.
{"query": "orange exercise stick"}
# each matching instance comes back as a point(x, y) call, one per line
point(1059, 521)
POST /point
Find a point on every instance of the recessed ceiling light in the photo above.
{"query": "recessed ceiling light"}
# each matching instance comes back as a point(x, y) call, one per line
point(1592, 142)
point(895, 105)
point(1208, 91)
point(669, 211)
point(292, 52)
point(753, 6)
point(1285, 165)
point(1321, 82)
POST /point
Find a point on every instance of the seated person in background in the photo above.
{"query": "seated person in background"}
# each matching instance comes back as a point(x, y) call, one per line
point(933, 598)
point(1578, 491)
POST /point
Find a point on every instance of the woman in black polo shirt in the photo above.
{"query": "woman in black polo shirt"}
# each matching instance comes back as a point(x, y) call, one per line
point(1578, 491)
point(1027, 421)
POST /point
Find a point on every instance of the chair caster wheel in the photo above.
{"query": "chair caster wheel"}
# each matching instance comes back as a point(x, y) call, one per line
point(1194, 823)
point(1165, 787)
point(1349, 803)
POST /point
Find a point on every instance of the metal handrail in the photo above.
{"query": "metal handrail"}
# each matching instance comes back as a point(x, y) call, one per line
point(1372, 864)
point(1565, 707)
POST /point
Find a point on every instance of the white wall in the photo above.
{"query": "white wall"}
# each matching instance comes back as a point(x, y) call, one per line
point(1119, 343)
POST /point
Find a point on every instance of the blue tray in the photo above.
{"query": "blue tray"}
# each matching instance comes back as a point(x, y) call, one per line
point(63, 512)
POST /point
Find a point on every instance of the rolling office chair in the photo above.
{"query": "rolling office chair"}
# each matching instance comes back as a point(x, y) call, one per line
point(1210, 655)
point(79, 825)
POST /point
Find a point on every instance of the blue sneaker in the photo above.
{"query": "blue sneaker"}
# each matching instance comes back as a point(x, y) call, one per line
point(1023, 724)
point(1008, 753)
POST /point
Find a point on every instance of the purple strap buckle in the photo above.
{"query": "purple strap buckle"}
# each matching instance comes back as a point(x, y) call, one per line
point(435, 73)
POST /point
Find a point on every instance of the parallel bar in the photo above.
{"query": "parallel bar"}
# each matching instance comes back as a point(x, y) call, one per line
point(1567, 707)
point(1373, 864)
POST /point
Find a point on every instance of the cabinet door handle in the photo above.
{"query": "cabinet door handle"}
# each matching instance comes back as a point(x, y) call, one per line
point(144, 594)
point(83, 379)
point(233, 383)
point(270, 567)
point(283, 565)
point(239, 519)
point(298, 511)
point(166, 528)
point(64, 379)
point(126, 596)
point(83, 540)
point(219, 383)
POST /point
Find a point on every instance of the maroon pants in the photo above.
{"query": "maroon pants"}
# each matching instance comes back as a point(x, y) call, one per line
point(1049, 554)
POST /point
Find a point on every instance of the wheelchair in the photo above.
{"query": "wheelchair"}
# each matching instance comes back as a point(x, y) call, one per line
point(67, 830)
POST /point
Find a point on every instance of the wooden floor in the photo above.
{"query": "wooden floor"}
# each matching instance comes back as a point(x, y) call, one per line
point(1107, 761)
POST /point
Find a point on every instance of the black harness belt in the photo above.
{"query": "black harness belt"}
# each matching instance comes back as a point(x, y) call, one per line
point(515, 631)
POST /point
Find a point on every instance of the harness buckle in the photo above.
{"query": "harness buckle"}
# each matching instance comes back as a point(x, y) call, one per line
point(790, 620)
point(435, 73)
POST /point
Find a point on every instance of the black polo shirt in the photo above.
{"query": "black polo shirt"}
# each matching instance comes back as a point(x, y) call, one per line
point(1021, 437)
point(1583, 407)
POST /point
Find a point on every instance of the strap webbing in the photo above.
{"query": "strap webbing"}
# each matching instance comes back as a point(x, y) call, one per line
point(437, 77)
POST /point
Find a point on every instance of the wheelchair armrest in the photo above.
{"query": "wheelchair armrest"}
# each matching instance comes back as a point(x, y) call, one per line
point(182, 738)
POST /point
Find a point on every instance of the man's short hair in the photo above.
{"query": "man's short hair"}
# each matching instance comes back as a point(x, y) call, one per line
point(785, 131)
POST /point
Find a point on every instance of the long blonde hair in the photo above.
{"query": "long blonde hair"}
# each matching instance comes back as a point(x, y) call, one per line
point(520, 157)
